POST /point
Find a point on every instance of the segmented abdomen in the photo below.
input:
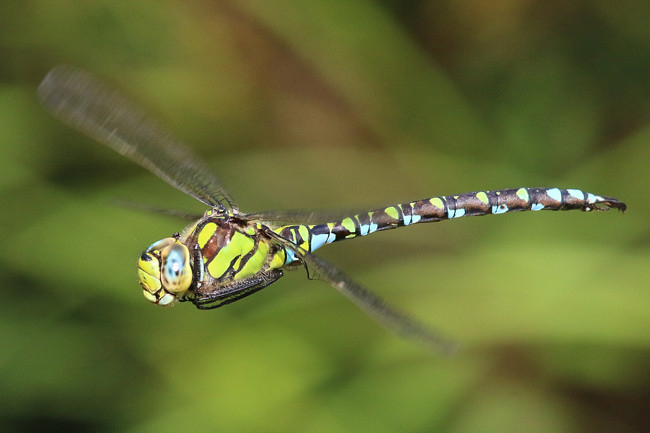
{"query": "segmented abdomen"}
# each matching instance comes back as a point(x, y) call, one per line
point(311, 237)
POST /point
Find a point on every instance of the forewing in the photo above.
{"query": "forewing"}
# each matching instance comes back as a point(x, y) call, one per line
point(157, 210)
point(280, 218)
point(96, 109)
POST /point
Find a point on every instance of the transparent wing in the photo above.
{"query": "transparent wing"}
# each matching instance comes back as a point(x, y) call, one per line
point(157, 210)
point(280, 218)
point(96, 109)
point(371, 304)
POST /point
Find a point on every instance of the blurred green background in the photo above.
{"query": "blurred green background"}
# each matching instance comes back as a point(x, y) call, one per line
point(324, 105)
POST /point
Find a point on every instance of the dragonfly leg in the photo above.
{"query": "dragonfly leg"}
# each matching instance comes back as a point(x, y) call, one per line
point(234, 291)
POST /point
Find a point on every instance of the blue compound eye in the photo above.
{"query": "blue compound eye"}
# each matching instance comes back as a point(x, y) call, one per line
point(161, 244)
point(176, 273)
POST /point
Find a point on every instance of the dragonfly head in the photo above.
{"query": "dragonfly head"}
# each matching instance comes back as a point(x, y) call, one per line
point(164, 271)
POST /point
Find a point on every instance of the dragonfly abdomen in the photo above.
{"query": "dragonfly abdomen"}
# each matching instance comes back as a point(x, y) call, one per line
point(312, 237)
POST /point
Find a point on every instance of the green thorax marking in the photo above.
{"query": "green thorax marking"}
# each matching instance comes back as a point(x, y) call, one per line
point(229, 248)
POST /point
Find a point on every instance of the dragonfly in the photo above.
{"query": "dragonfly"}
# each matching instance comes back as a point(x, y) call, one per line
point(227, 255)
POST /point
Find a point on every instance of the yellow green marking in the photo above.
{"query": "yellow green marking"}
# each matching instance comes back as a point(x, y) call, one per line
point(348, 223)
point(522, 193)
point(392, 212)
point(239, 245)
point(304, 234)
point(206, 233)
point(437, 202)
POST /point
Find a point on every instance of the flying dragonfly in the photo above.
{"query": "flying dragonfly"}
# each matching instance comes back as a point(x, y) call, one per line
point(226, 254)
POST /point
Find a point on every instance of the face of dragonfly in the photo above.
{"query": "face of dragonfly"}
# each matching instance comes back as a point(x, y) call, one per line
point(164, 271)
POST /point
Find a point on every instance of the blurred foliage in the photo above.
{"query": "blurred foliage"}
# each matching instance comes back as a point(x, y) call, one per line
point(334, 105)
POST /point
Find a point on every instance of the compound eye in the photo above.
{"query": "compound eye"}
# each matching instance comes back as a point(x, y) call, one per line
point(161, 244)
point(176, 272)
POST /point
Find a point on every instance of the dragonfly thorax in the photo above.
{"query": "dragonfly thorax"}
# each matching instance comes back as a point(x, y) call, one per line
point(228, 248)
point(164, 271)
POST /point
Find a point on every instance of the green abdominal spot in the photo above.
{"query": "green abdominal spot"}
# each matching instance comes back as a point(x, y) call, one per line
point(392, 212)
